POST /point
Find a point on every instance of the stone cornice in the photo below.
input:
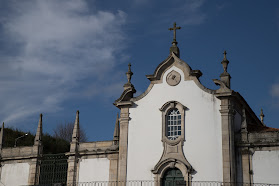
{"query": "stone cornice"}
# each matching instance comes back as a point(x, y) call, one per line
point(260, 139)
point(126, 96)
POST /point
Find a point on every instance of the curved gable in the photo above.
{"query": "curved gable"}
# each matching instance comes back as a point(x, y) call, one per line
point(163, 67)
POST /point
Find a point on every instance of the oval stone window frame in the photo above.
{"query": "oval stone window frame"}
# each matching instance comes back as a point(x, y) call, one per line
point(165, 110)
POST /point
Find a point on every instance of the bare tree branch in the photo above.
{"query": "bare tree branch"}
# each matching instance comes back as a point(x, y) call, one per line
point(65, 131)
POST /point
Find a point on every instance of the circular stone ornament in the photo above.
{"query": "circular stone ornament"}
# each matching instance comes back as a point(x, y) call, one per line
point(173, 78)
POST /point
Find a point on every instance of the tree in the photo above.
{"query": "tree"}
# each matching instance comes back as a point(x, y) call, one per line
point(51, 145)
point(65, 131)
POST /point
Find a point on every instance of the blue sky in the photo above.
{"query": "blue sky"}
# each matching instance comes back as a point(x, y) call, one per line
point(57, 57)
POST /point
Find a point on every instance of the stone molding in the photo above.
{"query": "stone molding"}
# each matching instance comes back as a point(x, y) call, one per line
point(173, 60)
point(13, 153)
point(144, 93)
point(160, 170)
point(173, 155)
point(260, 140)
point(223, 87)
point(165, 109)
point(126, 95)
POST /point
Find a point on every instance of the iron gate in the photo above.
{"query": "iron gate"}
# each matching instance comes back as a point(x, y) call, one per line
point(53, 169)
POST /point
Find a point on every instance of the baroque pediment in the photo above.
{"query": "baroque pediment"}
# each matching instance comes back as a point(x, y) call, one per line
point(173, 60)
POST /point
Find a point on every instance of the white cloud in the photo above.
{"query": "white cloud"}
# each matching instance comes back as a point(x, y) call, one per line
point(192, 13)
point(275, 93)
point(56, 45)
point(188, 13)
point(275, 90)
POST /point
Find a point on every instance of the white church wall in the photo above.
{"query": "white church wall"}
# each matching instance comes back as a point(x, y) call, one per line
point(266, 167)
point(15, 174)
point(202, 147)
point(94, 170)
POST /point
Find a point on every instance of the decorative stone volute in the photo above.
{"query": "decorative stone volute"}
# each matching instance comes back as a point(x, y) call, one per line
point(225, 76)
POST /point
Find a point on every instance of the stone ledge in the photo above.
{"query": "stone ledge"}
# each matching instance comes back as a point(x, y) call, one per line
point(17, 152)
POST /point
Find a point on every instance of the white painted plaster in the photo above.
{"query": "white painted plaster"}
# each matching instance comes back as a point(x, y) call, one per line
point(15, 174)
point(266, 167)
point(202, 147)
point(94, 170)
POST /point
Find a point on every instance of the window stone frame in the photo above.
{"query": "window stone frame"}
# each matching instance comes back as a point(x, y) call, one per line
point(173, 155)
point(165, 110)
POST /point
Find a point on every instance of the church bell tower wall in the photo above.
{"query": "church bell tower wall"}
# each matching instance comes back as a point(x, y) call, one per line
point(202, 146)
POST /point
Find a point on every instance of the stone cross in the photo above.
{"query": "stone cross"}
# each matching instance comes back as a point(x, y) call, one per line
point(225, 54)
point(174, 31)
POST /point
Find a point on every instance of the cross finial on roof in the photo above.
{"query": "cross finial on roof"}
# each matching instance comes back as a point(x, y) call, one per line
point(225, 54)
point(174, 28)
point(225, 62)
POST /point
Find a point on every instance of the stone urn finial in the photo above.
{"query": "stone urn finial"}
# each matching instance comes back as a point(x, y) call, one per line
point(262, 116)
point(225, 76)
point(225, 62)
point(129, 74)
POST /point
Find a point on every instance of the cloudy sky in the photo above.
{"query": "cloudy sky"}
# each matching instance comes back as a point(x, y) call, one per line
point(57, 57)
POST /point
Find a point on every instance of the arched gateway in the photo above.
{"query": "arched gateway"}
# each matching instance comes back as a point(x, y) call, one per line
point(173, 177)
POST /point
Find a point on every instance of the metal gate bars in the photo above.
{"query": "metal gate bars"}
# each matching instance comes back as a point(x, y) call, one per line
point(53, 169)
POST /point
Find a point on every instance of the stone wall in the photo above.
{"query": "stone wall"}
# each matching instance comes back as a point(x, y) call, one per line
point(19, 166)
point(266, 166)
point(96, 161)
point(15, 174)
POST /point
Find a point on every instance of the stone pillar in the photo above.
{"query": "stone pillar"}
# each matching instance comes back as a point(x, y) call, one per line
point(123, 144)
point(113, 169)
point(124, 103)
point(73, 154)
point(247, 168)
point(1, 146)
point(228, 152)
point(34, 170)
point(72, 170)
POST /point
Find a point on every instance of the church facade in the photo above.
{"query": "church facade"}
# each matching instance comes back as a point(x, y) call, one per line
point(177, 130)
